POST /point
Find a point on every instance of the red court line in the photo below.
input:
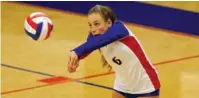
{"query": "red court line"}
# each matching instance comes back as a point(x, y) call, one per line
point(53, 80)
point(38, 86)
point(175, 60)
point(92, 76)
point(24, 89)
point(128, 23)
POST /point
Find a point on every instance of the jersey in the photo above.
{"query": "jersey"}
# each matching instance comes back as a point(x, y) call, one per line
point(134, 73)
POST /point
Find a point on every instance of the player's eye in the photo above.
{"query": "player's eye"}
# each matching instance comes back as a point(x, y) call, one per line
point(96, 24)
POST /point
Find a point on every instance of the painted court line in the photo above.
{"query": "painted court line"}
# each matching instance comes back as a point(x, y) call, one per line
point(27, 70)
point(57, 79)
point(24, 89)
point(97, 85)
point(61, 79)
point(176, 60)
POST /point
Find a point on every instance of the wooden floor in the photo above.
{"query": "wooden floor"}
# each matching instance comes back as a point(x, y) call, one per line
point(33, 69)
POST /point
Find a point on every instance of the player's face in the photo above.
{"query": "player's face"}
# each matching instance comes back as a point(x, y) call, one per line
point(97, 24)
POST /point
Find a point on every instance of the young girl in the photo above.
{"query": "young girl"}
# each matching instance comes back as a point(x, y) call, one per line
point(135, 75)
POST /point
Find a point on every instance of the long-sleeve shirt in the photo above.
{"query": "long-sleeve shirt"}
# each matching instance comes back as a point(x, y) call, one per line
point(115, 32)
point(135, 73)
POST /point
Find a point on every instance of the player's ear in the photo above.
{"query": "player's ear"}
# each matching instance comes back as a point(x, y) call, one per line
point(109, 22)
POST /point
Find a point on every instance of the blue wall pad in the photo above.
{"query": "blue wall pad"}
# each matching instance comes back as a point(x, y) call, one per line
point(136, 12)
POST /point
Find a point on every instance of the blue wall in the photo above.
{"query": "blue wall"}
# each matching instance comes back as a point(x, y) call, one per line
point(137, 12)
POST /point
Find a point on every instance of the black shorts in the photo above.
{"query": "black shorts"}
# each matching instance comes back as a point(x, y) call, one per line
point(127, 95)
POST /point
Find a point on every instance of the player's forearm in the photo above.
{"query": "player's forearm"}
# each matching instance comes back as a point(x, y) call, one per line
point(115, 32)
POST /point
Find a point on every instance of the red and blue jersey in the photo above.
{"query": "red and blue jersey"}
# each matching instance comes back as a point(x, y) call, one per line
point(135, 73)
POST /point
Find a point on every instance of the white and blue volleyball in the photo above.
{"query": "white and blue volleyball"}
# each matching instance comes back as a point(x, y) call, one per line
point(38, 26)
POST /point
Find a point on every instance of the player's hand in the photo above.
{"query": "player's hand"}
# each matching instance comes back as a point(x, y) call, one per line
point(73, 62)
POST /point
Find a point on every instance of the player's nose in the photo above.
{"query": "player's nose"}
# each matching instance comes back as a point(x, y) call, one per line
point(93, 32)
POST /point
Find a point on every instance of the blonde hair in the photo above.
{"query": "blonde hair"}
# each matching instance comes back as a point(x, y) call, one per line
point(105, 11)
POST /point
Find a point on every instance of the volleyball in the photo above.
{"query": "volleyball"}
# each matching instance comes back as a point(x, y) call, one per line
point(38, 26)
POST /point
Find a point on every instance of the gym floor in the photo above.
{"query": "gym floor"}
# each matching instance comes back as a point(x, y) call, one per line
point(31, 69)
